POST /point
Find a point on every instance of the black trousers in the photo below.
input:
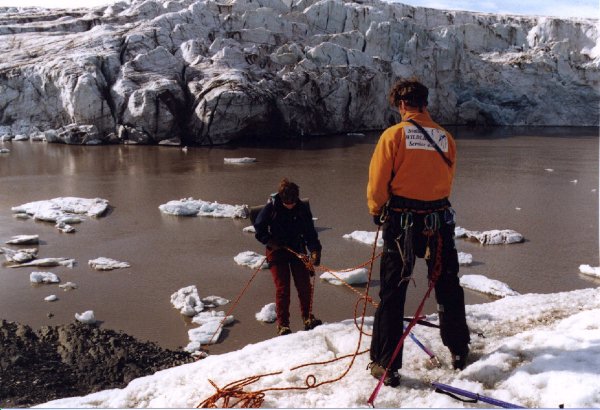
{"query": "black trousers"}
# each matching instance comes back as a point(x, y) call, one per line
point(388, 325)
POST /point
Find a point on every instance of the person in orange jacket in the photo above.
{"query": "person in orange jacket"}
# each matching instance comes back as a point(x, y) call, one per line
point(410, 180)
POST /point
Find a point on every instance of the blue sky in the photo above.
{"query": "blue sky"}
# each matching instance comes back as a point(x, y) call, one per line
point(558, 8)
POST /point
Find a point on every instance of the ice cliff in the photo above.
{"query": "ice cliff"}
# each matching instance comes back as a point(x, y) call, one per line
point(206, 71)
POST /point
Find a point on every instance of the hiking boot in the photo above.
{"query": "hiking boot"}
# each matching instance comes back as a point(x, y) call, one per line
point(392, 378)
point(459, 359)
point(311, 322)
point(283, 330)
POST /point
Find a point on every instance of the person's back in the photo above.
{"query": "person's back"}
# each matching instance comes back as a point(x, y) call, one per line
point(410, 180)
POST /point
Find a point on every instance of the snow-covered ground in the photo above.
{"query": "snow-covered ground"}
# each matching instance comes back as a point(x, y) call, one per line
point(547, 355)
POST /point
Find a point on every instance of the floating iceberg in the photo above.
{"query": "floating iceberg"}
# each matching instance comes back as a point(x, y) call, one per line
point(193, 207)
point(483, 284)
point(64, 209)
point(19, 256)
point(103, 263)
point(351, 277)
point(43, 277)
point(492, 237)
point(187, 301)
point(365, 237)
point(251, 259)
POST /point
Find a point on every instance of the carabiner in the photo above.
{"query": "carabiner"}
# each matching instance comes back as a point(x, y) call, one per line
point(406, 220)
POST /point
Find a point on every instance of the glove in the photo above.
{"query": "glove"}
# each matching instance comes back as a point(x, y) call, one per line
point(377, 220)
point(315, 258)
point(273, 245)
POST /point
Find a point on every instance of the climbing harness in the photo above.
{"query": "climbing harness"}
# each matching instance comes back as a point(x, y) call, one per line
point(454, 392)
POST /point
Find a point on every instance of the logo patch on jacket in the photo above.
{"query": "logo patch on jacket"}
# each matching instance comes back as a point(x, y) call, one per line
point(416, 140)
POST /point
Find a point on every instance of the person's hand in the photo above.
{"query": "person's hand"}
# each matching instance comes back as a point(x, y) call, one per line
point(377, 220)
point(315, 258)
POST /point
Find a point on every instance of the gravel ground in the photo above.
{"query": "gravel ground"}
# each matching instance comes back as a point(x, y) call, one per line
point(72, 360)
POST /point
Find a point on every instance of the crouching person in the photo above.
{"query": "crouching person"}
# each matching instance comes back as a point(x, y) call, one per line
point(284, 224)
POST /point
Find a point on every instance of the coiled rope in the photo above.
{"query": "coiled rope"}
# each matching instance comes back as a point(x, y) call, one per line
point(233, 394)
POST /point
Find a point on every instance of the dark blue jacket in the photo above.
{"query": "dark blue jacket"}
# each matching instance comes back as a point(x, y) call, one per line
point(293, 228)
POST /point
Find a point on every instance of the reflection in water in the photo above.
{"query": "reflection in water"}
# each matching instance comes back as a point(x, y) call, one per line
point(499, 170)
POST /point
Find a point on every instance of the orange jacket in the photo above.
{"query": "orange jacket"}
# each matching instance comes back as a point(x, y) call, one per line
point(405, 164)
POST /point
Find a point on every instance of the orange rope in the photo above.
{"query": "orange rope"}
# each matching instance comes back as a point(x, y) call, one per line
point(234, 391)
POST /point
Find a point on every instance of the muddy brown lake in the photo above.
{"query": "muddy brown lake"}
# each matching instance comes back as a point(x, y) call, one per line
point(541, 182)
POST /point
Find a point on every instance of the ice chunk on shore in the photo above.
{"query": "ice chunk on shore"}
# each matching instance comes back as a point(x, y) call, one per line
point(193, 207)
point(103, 263)
point(43, 277)
point(86, 317)
point(62, 209)
point(589, 270)
point(244, 160)
point(492, 237)
point(483, 284)
point(187, 301)
point(365, 237)
point(267, 314)
point(251, 259)
point(351, 277)
point(24, 240)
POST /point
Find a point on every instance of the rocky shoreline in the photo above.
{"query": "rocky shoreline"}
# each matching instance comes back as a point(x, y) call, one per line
point(72, 360)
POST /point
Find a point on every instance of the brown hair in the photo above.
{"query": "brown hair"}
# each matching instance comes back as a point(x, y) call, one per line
point(288, 191)
point(411, 91)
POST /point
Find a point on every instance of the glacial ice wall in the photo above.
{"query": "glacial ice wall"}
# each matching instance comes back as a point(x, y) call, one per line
point(208, 72)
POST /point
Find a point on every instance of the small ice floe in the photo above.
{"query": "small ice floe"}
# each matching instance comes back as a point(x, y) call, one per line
point(594, 190)
point(364, 237)
point(206, 334)
point(19, 256)
point(64, 209)
point(4, 151)
point(590, 270)
point(68, 286)
point(86, 317)
point(351, 277)
point(465, 259)
point(43, 277)
point(6, 137)
point(48, 262)
point(187, 301)
point(24, 240)
point(251, 259)
point(492, 237)
point(21, 137)
point(549, 169)
point(574, 181)
point(483, 284)
point(517, 208)
point(51, 298)
point(103, 263)
point(21, 216)
point(203, 318)
point(244, 160)
point(193, 207)
point(184, 149)
point(267, 314)
point(64, 228)
point(249, 229)
point(214, 301)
